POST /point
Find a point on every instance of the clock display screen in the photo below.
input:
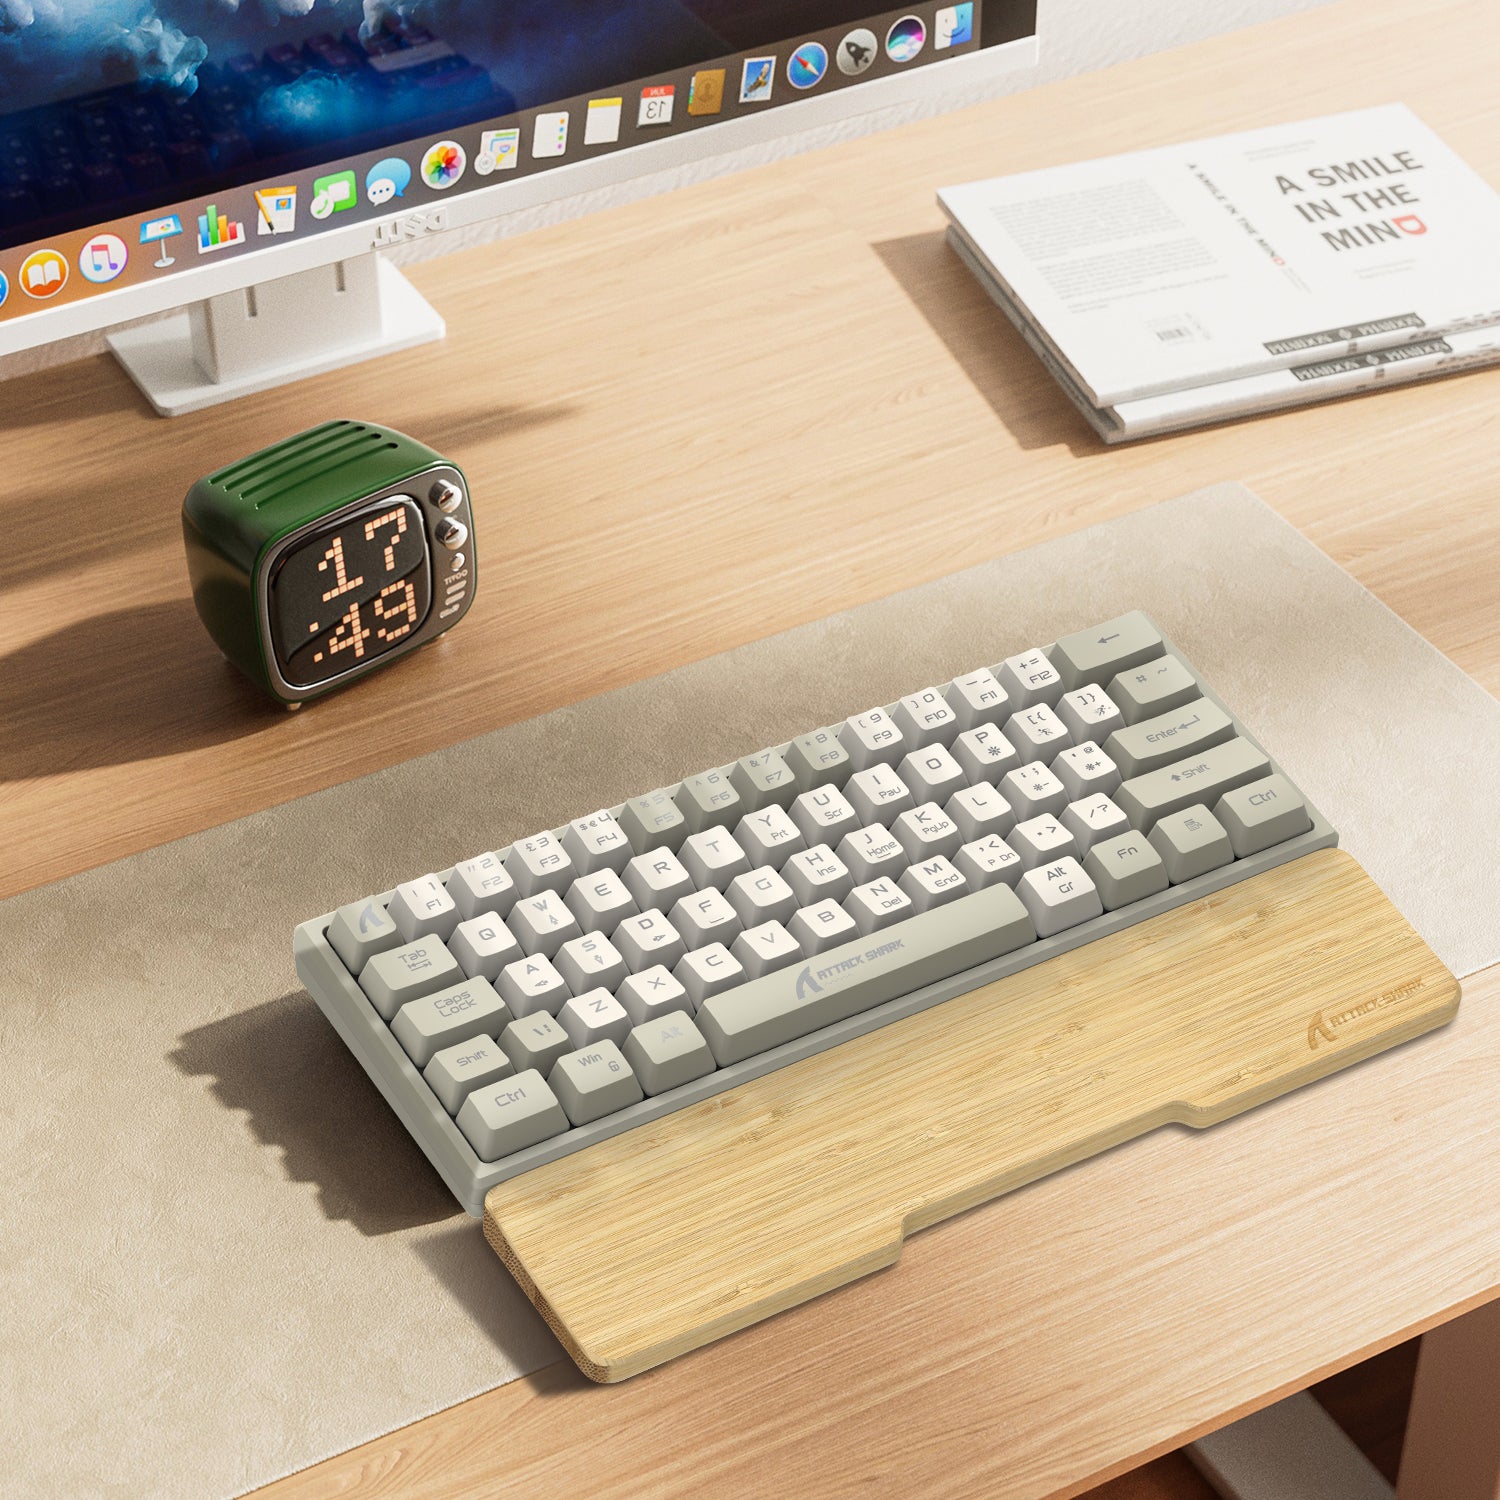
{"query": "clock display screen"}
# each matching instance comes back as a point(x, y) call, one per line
point(350, 594)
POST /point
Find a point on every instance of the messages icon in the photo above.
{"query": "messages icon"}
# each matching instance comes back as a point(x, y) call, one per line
point(387, 179)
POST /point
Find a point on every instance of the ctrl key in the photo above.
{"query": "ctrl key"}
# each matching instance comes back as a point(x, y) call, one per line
point(503, 1118)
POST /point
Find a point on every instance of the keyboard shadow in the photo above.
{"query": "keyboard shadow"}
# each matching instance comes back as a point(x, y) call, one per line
point(987, 348)
point(329, 1122)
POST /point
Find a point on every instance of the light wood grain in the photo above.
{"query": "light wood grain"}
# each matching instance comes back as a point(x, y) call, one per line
point(628, 393)
point(659, 1241)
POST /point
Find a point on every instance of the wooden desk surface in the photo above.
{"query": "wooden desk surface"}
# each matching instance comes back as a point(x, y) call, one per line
point(694, 421)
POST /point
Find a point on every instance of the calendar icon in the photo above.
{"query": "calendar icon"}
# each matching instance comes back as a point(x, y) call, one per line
point(656, 105)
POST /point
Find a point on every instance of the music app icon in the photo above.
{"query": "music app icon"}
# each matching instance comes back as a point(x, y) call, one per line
point(102, 258)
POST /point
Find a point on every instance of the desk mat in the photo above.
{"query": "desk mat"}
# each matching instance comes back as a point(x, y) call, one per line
point(222, 1258)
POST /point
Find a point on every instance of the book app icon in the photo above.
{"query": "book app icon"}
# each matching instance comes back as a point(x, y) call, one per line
point(756, 80)
point(44, 273)
point(217, 231)
point(706, 92)
point(276, 210)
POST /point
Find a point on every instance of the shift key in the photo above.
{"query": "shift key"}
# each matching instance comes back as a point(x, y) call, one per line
point(1200, 778)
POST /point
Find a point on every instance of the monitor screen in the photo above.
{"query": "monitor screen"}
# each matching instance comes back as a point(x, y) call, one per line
point(140, 139)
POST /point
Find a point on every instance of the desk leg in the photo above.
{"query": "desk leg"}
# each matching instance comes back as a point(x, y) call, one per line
point(1291, 1451)
point(1452, 1448)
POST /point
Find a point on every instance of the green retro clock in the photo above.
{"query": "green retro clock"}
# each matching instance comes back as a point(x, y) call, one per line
point(328, 555)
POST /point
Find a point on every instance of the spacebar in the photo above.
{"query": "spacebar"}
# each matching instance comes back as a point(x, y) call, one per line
point(780, 1007)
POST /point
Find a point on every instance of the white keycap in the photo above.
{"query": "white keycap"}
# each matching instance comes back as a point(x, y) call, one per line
point(1058, 896)
point(1084, 770)
point(1090, 714)
point(878, 794)
point(931, 882)
point(593, 1082)
point(651, 993)
point(817, 759)
point(596, 842)
point(1037, 733)
point(708, 799)
point(817, 874)
point(870, 852)
point(980, 809)
point(483, 946)
point(667, 1053)
point(589, 961)
point(534, 1041)
point(654, 821)
point(824, 815)
point(984, 753)
point(1040, 840)
point(398, 975)
point(989, 861)
point(543, 923)
point(455, 1072)
point(505, 1117)
point(539, 863)
point(423, 908)
point(871, 739)
point(927, 718)
point(977, 698)
point(1033, 790)
point(594, 1016)
point(877, 904)
point(766, 948)
point(763, 780)
point(708, 971)
point(1094, 818)
point(705, 917)
point(761, 896)
point(600, 901)
point(657, 879)
point(1029, 678)
point(713, 858)
point(648, 939)
point(361, 930)
point(932, 774)
point(925, 831)
point(769, 837)
point(530, 985)
point(482, 884)
point(820, 926)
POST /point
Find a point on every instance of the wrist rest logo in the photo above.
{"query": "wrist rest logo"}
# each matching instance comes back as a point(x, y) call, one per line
point(1324, 1026)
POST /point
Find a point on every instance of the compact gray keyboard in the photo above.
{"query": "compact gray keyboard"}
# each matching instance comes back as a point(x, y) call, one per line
point(591, 978)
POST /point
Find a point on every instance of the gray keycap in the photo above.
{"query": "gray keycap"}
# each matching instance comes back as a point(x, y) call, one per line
point(361, 930)
point(1167, 737)
point(503, 1118)
point(593, 1082)
point(456, 1014)
point(1262, 814)
point(860, 974)
point(455, 1072)
point(1201, 778)
point(1126, 869)
point(1155, 688)
point(535, 1041)
point(1099, 654)
point(1191, 842)
point(403, 974)
point(653, 821)
point(668, 1052)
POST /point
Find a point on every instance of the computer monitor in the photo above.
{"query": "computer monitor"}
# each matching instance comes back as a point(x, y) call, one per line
point(247, 162)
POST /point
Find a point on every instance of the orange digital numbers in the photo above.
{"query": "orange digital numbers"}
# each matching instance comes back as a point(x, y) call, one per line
point(403, 608)
point(342, 582)
point(349, 635)
point(371, 527)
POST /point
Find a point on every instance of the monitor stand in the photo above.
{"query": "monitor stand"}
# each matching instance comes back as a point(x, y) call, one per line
point(274, 333)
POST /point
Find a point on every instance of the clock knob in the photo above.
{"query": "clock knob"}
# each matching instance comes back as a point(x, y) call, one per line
point(446, 496)
point(452, 534)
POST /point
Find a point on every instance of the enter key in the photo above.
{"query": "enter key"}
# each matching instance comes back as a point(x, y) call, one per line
point(1142, 747)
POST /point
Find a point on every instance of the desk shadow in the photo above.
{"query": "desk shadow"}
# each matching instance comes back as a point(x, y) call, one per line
point(88, 383)
point(127, 685)
point(301, 1090)
point(988, 349)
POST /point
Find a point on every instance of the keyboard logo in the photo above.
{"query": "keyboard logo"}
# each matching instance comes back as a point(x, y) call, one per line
point(807, 985)
point(1324, 1027)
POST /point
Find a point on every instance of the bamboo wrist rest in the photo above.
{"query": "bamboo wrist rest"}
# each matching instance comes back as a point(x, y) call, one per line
point(674, 1234)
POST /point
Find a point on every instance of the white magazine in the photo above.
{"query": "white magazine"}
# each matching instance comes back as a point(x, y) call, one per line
point(1196, 264)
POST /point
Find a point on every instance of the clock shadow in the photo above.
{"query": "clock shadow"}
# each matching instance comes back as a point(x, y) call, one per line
point(126, 685)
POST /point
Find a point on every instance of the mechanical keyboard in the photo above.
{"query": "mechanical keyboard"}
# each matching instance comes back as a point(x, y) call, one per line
point(586, 980)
